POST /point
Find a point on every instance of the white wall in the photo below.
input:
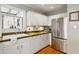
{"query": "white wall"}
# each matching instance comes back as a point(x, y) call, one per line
point(73, 31)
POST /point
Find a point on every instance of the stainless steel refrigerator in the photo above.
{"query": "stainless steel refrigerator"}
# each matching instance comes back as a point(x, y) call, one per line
point(58, 41)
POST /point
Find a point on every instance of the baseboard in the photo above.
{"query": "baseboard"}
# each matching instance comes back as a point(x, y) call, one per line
point(41, 49)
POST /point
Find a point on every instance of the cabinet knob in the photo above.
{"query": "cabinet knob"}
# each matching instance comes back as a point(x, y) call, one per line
point(17, 47)
point(21, 46)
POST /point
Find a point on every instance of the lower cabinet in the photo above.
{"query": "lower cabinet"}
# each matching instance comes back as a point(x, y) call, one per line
point(1, 49)
point(21, 47)
point(24, 45)
point(34, 44)
point(44, 40)
point(11, 50)
point(39, 42)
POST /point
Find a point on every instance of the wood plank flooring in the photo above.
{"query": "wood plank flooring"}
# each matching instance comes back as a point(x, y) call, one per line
point(49, 50)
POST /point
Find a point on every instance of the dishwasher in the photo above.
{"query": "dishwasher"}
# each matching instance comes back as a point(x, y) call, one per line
point(59, 44)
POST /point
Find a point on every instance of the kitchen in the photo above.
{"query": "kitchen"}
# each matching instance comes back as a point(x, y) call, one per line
point(30, 28)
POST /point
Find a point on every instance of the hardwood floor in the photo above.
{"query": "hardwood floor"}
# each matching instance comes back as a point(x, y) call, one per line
point(49, 50)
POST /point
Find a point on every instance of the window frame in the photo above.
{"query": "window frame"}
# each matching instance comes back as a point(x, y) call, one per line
point(4, 14)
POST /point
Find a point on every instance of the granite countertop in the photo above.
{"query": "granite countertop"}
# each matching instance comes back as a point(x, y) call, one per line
point(22, 35)
point(33, 34)
point(4, 40)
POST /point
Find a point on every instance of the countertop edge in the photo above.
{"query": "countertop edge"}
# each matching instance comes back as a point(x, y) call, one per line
point(23, 37)
point(4, 40)
point(32, 35)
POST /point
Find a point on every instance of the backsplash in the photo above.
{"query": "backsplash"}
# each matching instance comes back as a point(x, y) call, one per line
point(38, 28)
point(28, 29)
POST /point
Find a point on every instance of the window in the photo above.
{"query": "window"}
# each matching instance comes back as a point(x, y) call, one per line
point(8, 22)
point(13, 12)
point(11, 22)
point(20, 14)
point(12, 18)
point(18, 22)
point(4, 9)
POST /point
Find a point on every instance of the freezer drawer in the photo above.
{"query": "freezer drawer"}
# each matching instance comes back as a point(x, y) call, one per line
point(59, 44)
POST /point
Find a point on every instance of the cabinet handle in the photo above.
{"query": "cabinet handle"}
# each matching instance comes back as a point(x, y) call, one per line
point(21, 46)
point(17, 47)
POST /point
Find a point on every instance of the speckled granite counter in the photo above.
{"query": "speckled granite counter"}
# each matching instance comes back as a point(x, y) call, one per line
point(26, 35)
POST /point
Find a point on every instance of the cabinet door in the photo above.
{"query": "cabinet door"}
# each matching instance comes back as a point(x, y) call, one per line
point(11, 50)
point(24, 45)
point(1, 49)
point(44, 20)
point(47, 39)
point(40, 19)
point(0, 25)
point(32, 18)
point(34, 44)
point(44, 40)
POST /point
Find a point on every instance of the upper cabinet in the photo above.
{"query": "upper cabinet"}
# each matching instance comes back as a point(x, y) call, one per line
point(34, 18)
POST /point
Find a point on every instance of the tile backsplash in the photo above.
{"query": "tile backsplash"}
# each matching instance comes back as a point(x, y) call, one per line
point(37, 28)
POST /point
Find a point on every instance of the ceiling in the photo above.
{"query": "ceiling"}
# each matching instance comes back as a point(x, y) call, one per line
point(48, 9)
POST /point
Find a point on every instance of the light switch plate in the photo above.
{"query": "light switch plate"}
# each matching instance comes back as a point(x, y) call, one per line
point(75, 26)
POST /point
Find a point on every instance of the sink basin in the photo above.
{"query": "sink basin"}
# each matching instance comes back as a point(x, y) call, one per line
point(20, 35)
point(13, 36)
point(32, 33)
point(35, 33)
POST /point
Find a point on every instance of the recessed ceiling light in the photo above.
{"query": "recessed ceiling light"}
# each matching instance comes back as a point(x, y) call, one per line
point(51, 7)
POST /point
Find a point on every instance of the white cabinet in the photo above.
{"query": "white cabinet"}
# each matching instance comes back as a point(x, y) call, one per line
point(24, 45)
point(1, 49)
point(39, 42)
point(14, 49)
point(31, 18)
point(10, 47)
point(21, 47)
point(44, 20)
point(34, 18)
point(34, 44)
point(44, 40)
point(0, 25)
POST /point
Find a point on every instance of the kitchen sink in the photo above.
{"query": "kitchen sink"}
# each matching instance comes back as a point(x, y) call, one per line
point(13, 36)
